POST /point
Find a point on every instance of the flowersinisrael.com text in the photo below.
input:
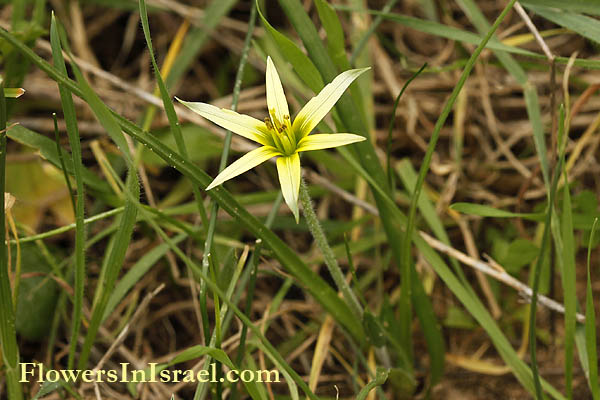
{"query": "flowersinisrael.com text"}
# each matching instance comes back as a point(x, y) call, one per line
point(35, 372)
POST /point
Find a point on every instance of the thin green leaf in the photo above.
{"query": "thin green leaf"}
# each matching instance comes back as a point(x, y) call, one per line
point(487, 211)
point(585, 26)
point(568, 282)
point(79, 205)
point(579, 6)
point(8, 336)
point(111, 266)
point(590, 325)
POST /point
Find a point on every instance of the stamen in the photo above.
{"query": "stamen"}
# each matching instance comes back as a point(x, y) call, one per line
point(268, 123)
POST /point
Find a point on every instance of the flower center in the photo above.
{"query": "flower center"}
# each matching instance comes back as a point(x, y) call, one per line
point(281, 132)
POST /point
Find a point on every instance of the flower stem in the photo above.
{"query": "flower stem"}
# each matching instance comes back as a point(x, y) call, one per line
point(332, 265)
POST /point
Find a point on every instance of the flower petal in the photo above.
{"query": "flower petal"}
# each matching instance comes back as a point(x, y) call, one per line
point(244, 163)
point(327, 140)
point(313, 112)
point(276, 100)
point(243, 125)
point(288, 168)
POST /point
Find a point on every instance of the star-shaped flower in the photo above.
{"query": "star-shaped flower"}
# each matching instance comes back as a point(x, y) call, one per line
point(278, 135)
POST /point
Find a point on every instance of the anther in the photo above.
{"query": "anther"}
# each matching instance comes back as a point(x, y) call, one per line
point(268, 123)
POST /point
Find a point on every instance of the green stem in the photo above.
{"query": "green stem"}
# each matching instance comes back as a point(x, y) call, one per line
point(332, 265)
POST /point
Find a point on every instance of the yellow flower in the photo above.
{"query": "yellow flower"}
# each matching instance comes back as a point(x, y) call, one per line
point(278, 135)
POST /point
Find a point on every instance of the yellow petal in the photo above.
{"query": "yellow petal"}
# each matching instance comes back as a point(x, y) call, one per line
point(244, 163)
point(327, 140)
point(243, 125)
point(276, 100)
point(288, 168)
point(313, 112)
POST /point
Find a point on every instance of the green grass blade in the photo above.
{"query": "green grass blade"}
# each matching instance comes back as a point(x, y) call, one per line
point(10, 350)
point(98, 107)
point(583, 25)
point(167, 102)
point(111, 267)
point(578, 6)
point(436, 347)
point(487, 211)
point(79, 206)
point(590, 326)
point(536, 273)
point(568, 282)
point(335, 34)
